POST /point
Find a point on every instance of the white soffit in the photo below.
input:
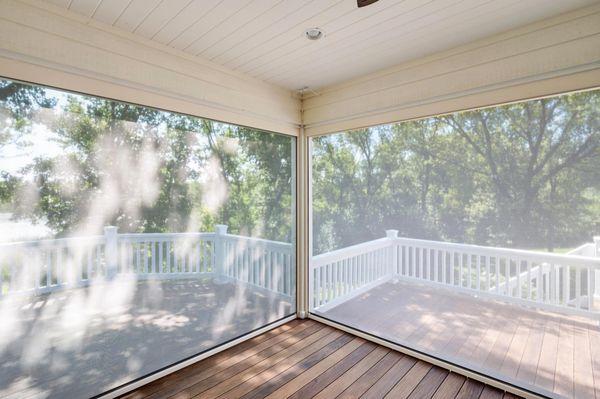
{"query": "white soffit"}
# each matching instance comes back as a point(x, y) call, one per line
point(264, 38)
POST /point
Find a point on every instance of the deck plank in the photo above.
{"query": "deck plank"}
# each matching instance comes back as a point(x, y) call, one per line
point(407, 384)
point(471, 389)
point(491, 393)
point(323, 380)
point(429, 384)
point(298, 382)
point(238, 383)
point(516, 350)
point(504, 339)
point(531, 356)
point(594, 336)
point(546, 369)
point(366, 381)
point(450, 387)
point(390, 378)
point(583, 374)
point(563, 378)
point(355, 372)
point(264, 384)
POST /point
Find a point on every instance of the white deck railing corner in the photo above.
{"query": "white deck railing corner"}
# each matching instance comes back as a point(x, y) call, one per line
point(36, 267)
point(563, 282)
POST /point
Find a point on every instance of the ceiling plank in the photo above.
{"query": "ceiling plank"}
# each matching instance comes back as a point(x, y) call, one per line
point(160, 16)
point(84, 7)
point(211, 20)
point(110, 10)
point(135, 14)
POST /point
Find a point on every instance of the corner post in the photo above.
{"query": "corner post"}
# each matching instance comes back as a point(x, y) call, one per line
point(393, 260)
point(219, 271)
point(110, 250)
point(304, 292)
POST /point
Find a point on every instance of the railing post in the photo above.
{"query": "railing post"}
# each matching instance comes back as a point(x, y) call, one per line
point(596, 272)
point(393, 265)
point(220, 232)
point(111, 250)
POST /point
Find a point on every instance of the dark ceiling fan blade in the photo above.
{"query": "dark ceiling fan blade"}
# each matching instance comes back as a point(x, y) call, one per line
point(363, 3)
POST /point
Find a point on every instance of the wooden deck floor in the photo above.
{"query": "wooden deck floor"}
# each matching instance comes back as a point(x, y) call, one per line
point(559, 355)
point(306, 359)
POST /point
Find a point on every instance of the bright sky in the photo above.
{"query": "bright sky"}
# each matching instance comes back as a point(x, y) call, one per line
point(40, 139)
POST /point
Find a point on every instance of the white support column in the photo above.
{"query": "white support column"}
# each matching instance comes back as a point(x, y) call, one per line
point(393, 260)
point(293, 277)
point(304, 283)
point(111, 250)
point(220, 232)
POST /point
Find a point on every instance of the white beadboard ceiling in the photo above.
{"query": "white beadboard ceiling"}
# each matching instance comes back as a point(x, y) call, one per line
point(264, 38)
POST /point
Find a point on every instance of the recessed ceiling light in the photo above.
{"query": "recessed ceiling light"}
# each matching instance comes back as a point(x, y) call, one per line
point(313, 33)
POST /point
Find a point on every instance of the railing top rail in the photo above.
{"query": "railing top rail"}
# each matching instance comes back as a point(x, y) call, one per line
point(348, 252)
point(588, 247)
point(519, 253)
point(159, 236)
point(258, 241)
point(51, 241)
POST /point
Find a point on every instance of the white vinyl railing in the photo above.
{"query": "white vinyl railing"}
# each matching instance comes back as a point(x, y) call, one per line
point(36, 267)
point(264, 263)
point(561, 282)
point(347, 271)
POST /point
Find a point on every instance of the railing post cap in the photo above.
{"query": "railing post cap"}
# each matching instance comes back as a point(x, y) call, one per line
point(221, 228)
point(596, 239)
point(391, 233)
point(110, 229)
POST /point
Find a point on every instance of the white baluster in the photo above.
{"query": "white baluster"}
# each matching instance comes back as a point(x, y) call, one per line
point(220, 232)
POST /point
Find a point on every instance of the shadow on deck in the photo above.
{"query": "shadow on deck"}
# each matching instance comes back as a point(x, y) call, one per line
point(81, 342)
point(555, 354)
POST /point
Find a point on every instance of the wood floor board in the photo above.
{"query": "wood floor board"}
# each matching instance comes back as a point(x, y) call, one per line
point(408, 383)
point(491, 393)
point(292, 386)
point(355, 372)
point(450, 387)
point(366, 381)
point(390, 378)
point(471, 389)
point(289, 355)
point(268, 385)
point(320, 382)
point(429, 384)
point(584, 377)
